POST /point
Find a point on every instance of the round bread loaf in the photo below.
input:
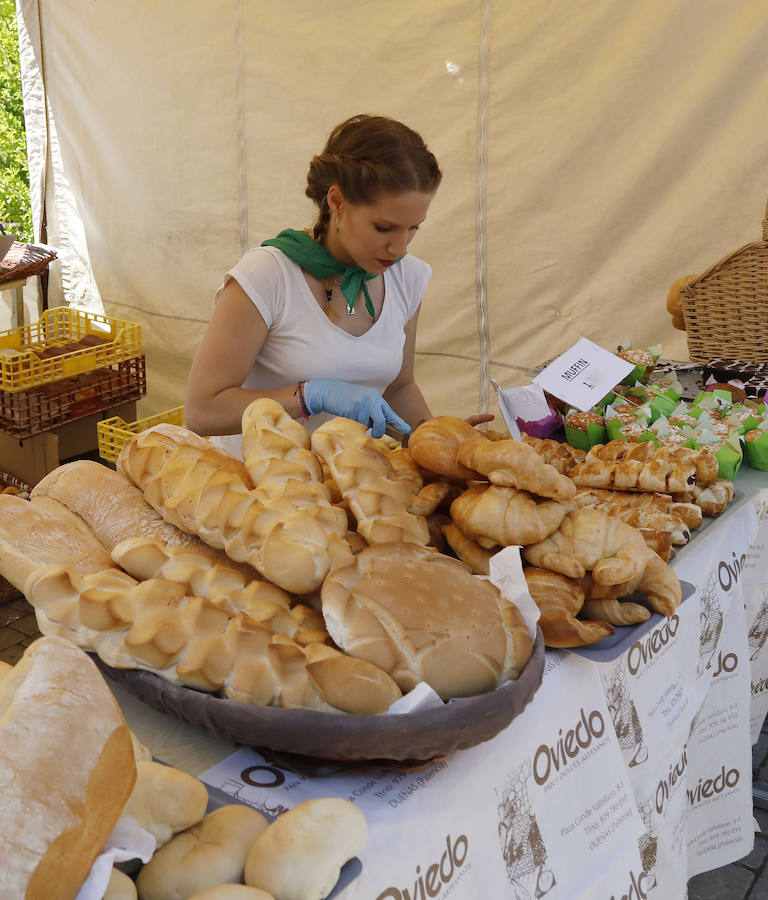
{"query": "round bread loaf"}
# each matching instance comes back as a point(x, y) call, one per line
point(232, 892)
point(423, 616)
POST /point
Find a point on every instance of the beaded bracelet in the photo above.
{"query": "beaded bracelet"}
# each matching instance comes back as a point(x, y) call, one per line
point(298, 395)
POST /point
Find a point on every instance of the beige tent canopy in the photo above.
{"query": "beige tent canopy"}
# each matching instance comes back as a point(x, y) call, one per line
point(593, 151)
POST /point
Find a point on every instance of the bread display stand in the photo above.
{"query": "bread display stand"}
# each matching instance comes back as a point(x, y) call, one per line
point(403, 737)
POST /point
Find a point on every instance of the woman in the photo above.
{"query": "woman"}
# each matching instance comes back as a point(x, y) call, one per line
point(325, 322)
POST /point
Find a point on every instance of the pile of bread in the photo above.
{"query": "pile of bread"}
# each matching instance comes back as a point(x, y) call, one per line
point(596, 528)
point(71, 769)
point(247, 578)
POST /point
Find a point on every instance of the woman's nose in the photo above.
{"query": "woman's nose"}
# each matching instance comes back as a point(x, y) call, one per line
point(398, 245)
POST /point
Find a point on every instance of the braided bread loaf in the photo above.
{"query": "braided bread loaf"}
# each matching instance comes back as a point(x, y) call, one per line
point(365, 478)
point(194, 641)
point(206, 492)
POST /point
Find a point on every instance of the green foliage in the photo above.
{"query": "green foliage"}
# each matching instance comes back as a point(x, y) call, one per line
point(15, 212)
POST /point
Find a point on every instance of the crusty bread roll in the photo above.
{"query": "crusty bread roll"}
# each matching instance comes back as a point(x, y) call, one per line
point(515, 464)
point(232, 892)
point(165, 800)
point(300, 855)
point(120, 887)
point(32, 537)
point(208, 854)
point(66, 770)
point(275, 445)
point(378, 501)
point(435, 446)
point(422, 616)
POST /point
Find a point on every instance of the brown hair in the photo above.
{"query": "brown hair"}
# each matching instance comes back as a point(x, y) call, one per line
point(368, 154)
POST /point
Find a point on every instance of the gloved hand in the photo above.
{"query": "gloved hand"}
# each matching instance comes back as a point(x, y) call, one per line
point(363, 404)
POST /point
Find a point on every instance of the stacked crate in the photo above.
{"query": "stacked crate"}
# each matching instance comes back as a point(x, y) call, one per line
point(58, 378)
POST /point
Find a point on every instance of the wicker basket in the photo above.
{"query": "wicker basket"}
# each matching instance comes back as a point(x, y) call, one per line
point(726, 307)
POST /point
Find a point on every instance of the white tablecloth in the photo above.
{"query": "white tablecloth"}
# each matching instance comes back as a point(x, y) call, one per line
point(622, 777)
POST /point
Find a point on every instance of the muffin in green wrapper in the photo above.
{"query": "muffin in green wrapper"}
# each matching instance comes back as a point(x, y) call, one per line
point(756, 447)
point(624, 422)
point(584, 429)
point(644, 361)
point(727, 450)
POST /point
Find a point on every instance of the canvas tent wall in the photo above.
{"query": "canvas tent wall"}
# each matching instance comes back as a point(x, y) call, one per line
point(593, 151)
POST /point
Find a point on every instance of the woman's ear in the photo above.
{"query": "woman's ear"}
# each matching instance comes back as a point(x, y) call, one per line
point(335, 199)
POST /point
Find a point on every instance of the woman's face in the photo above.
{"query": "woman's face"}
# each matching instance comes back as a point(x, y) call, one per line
point(374, 235)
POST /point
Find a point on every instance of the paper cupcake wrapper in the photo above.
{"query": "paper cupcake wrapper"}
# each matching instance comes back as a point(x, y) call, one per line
point(616, 431)
point(728, 460)
point(583, 440)
point(756, 452)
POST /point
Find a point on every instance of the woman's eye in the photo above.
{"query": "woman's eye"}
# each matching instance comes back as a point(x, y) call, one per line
point(382, 228)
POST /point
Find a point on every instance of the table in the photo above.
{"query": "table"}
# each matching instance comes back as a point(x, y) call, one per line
point(622, 778)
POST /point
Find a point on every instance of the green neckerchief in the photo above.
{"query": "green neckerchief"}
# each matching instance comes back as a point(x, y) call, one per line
point(302, 249)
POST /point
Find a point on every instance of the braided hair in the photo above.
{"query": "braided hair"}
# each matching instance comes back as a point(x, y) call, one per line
point(365, 155)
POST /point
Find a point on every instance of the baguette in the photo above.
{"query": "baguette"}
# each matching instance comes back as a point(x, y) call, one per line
point(66, 771)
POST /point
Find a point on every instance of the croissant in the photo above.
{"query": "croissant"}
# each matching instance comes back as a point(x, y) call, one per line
point(617, 612)
point(435, 444)
point(590, 540)
point(493, 514)
point(470, 552)
point(560, 599)
point(514, 464)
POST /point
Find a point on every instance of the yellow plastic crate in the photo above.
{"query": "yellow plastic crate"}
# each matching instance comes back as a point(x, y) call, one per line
point(39, 353)
point(114, 433)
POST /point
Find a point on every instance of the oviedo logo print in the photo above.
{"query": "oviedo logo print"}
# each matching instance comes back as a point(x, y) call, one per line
point(641, 652)
point(431, 881)
point(567, 746)
point(728, 573)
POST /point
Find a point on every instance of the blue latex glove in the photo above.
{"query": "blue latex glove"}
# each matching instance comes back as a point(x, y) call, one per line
point(353, 402)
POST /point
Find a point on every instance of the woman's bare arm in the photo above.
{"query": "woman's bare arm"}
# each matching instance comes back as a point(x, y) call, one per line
point(215, 401)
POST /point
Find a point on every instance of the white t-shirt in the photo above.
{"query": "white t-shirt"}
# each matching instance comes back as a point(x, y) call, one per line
point(303, 343)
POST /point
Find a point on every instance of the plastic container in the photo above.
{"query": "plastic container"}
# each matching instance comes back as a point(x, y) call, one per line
point(114, 432)
point(26, 413)
point(64, 342)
